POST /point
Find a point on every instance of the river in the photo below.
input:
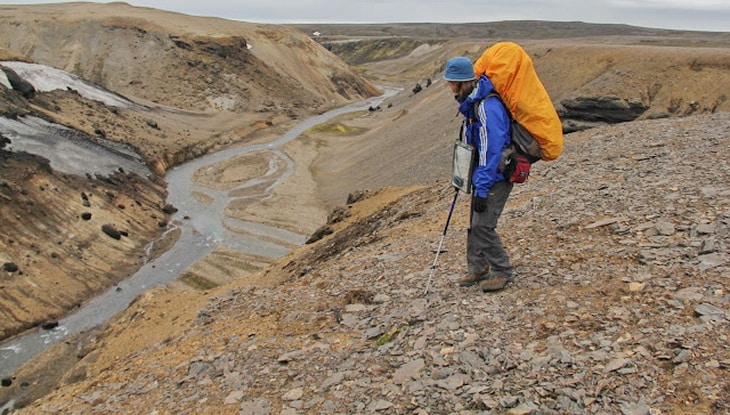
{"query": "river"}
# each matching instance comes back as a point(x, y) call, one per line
point(203, 228)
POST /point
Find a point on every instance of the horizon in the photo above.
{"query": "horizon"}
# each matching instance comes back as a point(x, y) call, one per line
point(684, 15)
point(490, 21)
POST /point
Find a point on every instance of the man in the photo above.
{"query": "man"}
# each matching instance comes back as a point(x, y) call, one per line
point(486, 128)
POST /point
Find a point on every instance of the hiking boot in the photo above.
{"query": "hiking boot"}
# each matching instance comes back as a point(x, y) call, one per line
point(470, 279)
point(473, 278)
point(493, 282)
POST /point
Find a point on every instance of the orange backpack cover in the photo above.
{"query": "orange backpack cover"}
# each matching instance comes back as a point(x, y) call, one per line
point(513, 75)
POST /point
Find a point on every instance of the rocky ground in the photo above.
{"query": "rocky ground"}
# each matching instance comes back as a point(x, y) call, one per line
point(621, 304)
point(621, 245)
point(211, 91)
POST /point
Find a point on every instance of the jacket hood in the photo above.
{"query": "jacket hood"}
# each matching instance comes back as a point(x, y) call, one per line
point(484, 87)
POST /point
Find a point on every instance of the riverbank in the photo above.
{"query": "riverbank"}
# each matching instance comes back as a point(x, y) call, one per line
point(216, 182)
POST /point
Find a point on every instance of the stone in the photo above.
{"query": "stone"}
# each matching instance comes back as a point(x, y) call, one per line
point(409, 371)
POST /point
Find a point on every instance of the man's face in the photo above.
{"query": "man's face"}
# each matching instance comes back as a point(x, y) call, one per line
point(455, 86)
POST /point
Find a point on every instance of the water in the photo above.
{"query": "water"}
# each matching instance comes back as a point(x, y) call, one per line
point(203, 226)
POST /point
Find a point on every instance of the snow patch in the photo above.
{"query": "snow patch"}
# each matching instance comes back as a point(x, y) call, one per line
point(45, 79)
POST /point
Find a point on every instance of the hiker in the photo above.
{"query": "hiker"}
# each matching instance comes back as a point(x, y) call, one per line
point(487, 128)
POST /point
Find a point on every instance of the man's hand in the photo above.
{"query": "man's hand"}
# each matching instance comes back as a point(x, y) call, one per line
point(480, 204)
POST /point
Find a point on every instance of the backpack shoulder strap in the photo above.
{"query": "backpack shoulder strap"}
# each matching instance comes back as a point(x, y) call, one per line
point(495, 94)
point(521, 141)
point(489, 95)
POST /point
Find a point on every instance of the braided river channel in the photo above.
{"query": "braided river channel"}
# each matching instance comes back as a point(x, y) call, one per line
point(203, 226)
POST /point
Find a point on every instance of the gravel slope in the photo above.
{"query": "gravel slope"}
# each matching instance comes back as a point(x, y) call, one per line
point(621, 305)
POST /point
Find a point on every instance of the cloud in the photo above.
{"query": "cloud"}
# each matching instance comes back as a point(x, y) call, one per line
point(673, 4)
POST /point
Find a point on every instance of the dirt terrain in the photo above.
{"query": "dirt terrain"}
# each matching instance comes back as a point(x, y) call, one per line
point(211, 91)
point(201, 89)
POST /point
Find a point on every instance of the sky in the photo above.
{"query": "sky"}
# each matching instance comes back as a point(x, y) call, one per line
point(706, 15)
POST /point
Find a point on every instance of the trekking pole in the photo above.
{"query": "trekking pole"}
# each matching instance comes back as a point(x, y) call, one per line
point(443, 235)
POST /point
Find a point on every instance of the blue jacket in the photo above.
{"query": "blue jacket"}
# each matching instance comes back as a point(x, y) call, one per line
point(487, 128)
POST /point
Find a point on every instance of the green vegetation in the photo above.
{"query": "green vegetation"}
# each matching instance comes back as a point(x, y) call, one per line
point(197, 282)
point(334, 128)
point(374, 50)
point(683, 42)
point(388, 337)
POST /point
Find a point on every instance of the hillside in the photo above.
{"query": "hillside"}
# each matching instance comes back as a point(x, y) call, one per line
point(197, 88)
point(512, 29)
point(199, 65)
point(621, 245)
point(620, 306)
point(410, 142)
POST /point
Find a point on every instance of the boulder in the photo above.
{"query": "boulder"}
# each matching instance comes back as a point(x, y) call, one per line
point(19, 84)
point(601, 109)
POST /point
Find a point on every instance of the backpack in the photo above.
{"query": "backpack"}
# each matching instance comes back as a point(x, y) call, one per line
point(537, 132)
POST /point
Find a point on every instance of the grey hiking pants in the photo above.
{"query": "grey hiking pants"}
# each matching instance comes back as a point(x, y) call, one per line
point(483, 245)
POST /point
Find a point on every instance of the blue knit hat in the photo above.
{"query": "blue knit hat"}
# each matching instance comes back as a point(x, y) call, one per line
point(459, 69)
